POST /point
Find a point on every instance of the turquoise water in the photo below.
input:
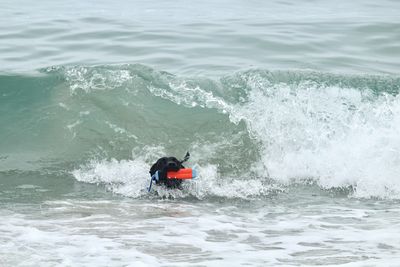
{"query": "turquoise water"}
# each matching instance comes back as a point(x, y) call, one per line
point(290, 110)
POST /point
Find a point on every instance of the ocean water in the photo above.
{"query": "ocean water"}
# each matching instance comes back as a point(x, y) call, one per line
point(290, 109)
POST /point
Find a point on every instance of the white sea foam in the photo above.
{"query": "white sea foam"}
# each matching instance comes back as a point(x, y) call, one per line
point(128, 177)
point(131, 178)
point(91, 79)
point(337, 136)
point(190, 95)
point(132, 233)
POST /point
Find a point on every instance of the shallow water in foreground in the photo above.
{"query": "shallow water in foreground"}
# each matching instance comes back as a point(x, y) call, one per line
point(291, 228)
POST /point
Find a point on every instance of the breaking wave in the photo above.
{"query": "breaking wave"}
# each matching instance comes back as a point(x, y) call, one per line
point(250, 133)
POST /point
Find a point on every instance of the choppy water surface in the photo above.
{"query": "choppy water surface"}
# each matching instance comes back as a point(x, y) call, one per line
point(291, 112)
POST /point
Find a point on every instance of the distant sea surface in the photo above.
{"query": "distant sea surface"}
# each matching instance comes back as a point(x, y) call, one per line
point(290, 109)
